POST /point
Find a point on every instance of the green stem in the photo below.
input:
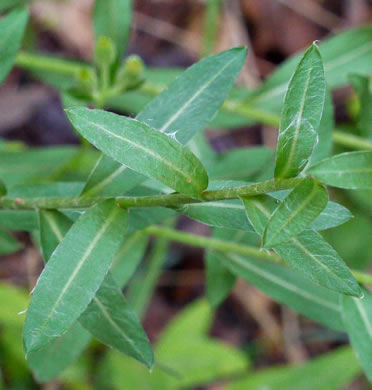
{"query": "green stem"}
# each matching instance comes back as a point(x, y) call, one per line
point(170, 200)
point(49, 64)
point(211, 18)
point(351, 141)
point(211, 243)
point(226, 246)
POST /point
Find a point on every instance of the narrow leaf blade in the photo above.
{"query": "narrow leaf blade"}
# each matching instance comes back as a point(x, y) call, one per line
point(307, 252)
point(184, 108)
point(301, 115)
point(357, 315)
point(142, 149)
point(288, 287)
point(297, 211)
point(191, 102)
point(352, 170)
point(112, 18)
point(115, 324)
point(12, 28)
point(74, 273)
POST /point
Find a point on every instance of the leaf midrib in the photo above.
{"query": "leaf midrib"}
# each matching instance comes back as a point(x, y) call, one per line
point(299, 121)
point(85, 256)
point(189, 179)
point(183, 108)
point(283, 283)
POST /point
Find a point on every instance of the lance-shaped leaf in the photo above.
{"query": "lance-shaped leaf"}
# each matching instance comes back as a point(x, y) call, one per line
point(51, 359)
point(184, 108)
point(229, 214)
point(307, 252)
point(301, 115)
point(111, 18)
point(128, 257)
point(19, 220)
point(332, 371)
point(12, 28)
point(108, 316)
point(110, 178)
point(191, 102)
point(74, 273)
point(115, 324)
point(352, 170)
point(297, 211)
point(361, 84)
point(288, 287)
point(141, 148)
point(333, 215)
point(8, 244)
point(357, 315)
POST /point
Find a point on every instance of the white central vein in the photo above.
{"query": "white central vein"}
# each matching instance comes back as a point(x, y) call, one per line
point(282, 283)
point(113, 323)
point(80, 264)
point(185, 106)
point(217, 204)
point(146, 150)
point(294, 214)
point(53, 225)
point(298, 124)
point(314, 258)
point(363, 316)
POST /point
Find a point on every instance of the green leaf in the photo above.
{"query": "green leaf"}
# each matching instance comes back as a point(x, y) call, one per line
point(361, 84)
point(110, 178)
point(227, 214)
point(46, 190)
point(342, 54)
point(125, 139)
point(188, 356)
point(188, 104)
point(115, 324)
point(298, 210)
point(323, 148)
point(19, 220)
point(12, 28)
point(128, 257)
point(307, 252)
point(333, 215)
point(219, 279)
point(240, 164)
point(32, 165)
point(5, 4)
point(331, 371)
point(51, 359)
point(351, 170)
point(74, 273)
point(8, 244)
point(112, 18)
point(288, 287)
point(357, 315)
point(199, 359)
point(53, 228)
point(107, 316)
point(301, 115)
